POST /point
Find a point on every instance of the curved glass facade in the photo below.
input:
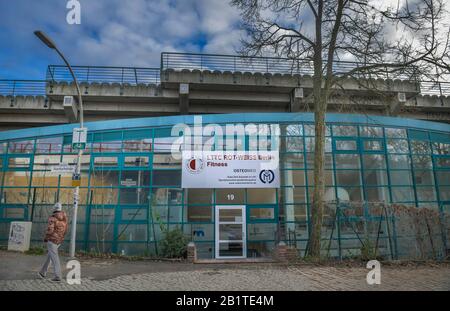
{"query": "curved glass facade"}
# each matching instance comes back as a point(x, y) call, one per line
point(131, 183)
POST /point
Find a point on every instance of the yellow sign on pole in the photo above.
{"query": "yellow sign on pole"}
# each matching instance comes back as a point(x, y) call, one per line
point(76, 180)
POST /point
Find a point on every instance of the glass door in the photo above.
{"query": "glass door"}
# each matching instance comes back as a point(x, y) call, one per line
point(231, 241)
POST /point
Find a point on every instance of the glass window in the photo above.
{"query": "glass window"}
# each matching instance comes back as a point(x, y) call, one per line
point(420, 147)
point(199, 213)
point(402, 194)
point(23, 146)
point(371, 131)
point(375, 178)
point(443, 177)
point(422, 162)
point(168, 196)
point(166, 178)
point(137, 145)
point(105, 162)
point(200, 196)
point(134, 196)
point(3, 147)
point(350, 178)
point(165, 160)
point(136, 161)
point(104, 178)
point(66, 180)
point(441, 148)
point(443, 162)
point(44, 179)
point(298, 177)
point(107, 146)
point(373, 145)
point(423, 177)
point(45, 162)
point(133, 214)
point(261, 196)
point(309, 144)
point(397, 146)
point(293, 129)
point(344, 130)
point(17, 179)
point(426, 193)
point(374, 161)
point(230, 196)
point(328, 160)
point(328, 177)
point(19, 162)
point(14, 213)
point(135, 178)
point(444, 193)
point(294, 144)
point(346, 145)
point(377, 194)
point(292, 160)
point(347, 161)
point(395, 133)
point(15, 196)
point(400, 178)
point(310, 130)
point(399, 161)
point(49, 145)
point(72, 159)
point(262, 213)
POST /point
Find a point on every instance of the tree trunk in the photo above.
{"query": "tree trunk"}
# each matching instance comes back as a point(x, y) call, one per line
point(319, 180)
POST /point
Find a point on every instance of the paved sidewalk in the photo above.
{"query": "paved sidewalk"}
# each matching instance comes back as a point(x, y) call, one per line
point(18, 272)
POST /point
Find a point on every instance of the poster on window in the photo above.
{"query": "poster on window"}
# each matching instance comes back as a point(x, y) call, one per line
point(223, 169)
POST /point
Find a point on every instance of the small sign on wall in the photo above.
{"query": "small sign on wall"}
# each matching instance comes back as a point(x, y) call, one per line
point(19, 236)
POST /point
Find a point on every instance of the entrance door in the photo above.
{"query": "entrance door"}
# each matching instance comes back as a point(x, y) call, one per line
point(231, 238)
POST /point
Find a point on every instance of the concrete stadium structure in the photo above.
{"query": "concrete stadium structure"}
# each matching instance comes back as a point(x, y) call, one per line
point(201, 83)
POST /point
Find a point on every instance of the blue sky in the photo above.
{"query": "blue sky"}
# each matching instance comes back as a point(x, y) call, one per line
point(112, 32)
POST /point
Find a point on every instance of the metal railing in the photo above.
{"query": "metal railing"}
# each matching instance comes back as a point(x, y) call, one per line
point(257, 64)
point(22, 87)
point(102, 74)
point(435, 88)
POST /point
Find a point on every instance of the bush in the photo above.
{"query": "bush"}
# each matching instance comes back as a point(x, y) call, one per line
point(368, 251)
point(174, 244)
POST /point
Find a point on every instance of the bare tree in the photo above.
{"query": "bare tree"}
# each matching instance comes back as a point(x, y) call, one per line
point(384, 40)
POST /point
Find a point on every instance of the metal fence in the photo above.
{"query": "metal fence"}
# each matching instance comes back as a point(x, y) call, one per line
point(435, 88)
point(256, 64)
point(101, 74)
point(22, 87)
point(189, 61)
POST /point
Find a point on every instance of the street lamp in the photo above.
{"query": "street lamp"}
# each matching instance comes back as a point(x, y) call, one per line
point(48, 42)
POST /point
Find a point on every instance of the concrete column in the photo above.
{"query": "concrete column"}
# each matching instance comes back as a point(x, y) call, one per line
point(191, 252)
point(281, 252)
point(296, 100)
point(184, 98)
point(70, 106)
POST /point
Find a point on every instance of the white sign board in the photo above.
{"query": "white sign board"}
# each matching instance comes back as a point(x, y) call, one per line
point(19, 236)
point(63, 168)
point(233, 169)
point(79, 138)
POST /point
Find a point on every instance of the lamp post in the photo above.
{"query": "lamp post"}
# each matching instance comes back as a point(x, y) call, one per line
point(48, 42)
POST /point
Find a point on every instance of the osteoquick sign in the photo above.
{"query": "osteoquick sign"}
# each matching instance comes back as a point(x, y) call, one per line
point(222, 169)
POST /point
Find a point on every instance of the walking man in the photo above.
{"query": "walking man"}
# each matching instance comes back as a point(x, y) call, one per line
point(54, 236)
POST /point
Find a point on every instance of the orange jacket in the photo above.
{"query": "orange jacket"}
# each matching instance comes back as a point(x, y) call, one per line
point(56, 228)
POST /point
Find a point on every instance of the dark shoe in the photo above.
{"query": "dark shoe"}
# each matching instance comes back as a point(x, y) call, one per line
point(42, 276)
point(56, 280)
